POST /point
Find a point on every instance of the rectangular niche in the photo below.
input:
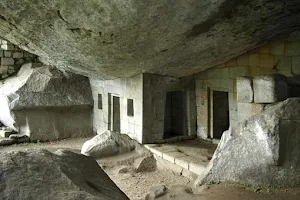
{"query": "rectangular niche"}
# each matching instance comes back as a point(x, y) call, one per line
point(130, 110)
point(100, 101)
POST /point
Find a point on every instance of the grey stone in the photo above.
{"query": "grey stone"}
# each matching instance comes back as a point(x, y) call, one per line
point(47, 86)
point(18, 54)
point(17, 136)
point(246, 110)
point(7, 61)
point(145, 164)
point(158, 190)
point(112, 39)
point(68, 176)
point(261, 151)
point(47, 104)
point(107, 144)
point(6, 141)
point(244, 89)
point(270, 88)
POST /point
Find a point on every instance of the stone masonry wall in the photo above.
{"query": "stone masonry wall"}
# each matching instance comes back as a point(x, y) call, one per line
point(129, 88)
point(281, 56)
point(155, 90)
point(12, 58)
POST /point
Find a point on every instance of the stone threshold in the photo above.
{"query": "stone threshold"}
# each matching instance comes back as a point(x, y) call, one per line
point(175, 139)
point(178, 162)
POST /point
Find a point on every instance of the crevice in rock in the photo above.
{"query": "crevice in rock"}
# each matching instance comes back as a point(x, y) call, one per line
point(61, 17)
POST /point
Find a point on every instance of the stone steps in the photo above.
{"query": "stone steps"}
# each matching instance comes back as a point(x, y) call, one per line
point(9, 137)
point(180, 163)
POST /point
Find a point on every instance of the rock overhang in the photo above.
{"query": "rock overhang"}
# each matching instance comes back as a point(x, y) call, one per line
point(111, 39)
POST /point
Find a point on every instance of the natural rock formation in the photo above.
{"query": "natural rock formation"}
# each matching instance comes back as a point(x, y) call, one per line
point(110, 39)
point(262, 150)
point(39, 174)
point(108, 143)
point(46, 103)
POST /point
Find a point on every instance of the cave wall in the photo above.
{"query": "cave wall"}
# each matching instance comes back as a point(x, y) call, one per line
point(12, 58)
point(281, 56)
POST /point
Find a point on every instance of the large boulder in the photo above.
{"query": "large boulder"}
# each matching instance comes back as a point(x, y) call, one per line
point(263, 150)
point(109, 39)
point(46, 103)
point(108, 143)
point(39, 174)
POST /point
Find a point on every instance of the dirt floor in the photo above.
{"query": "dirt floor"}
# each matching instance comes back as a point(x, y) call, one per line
point(137, 185)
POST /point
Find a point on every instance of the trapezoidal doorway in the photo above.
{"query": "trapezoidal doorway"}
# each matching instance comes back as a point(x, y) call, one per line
point(219, 111)
point(114, 113)
point(174, 120)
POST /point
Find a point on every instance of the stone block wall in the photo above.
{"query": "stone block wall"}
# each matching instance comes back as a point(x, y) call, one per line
point(155, 89)
point(128, 88)
point(12, 58)
point(148, 93)
point(277, 57)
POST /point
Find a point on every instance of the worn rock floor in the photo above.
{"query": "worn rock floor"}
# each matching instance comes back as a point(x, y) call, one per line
point(136, 185)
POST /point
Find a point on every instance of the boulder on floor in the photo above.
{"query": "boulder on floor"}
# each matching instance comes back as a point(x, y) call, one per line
point(39, 174)
point(46, 103)
point(262, 151)
point(108, 143)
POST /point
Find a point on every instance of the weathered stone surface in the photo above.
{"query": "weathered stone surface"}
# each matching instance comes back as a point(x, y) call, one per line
point(270, 88)
point(246, 110)
point(59, 175)
point(119, 39)
point(244, 89)
point(47, 86)
point(156, 192)
point(145, 164)
point(262, 150)
point(108, 143)
point(46, 103)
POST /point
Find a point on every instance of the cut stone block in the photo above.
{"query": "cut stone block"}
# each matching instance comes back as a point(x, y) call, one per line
point(7, 61)
point(184, 161)
point(246, 110)
point(197, 168)
point(244, 89)
point(18, 55)
point(270, 88)
point(171, 156)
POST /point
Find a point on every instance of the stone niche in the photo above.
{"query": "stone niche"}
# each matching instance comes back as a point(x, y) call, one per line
point(261, 151)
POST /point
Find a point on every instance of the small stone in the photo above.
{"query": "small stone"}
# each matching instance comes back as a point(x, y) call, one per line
point(17, 136)
point(150, 196)
point(145, 164)
point(159, 190)
point(201, 189)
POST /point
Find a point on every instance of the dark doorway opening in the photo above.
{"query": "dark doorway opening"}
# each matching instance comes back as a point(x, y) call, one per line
point(220, 114)
point(174, 120)
point(114, 116)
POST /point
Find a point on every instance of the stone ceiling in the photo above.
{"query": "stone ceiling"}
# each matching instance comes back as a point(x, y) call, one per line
point(118, 38)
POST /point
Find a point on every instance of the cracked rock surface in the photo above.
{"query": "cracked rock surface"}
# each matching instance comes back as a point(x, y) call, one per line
point(109, 39)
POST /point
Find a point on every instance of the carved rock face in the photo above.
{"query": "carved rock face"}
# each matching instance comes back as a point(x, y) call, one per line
point(109, 39)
